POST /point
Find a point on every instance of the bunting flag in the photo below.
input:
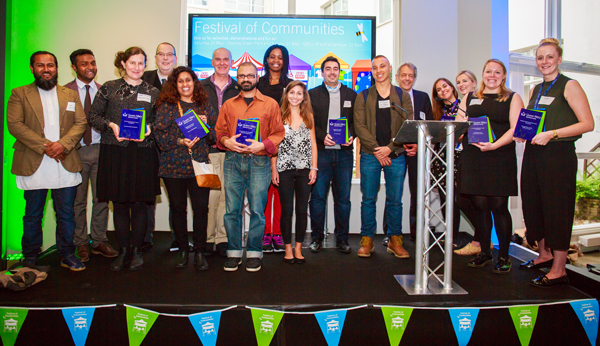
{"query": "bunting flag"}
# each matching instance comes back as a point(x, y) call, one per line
point(139, 322)
point(524, 318)
point(396, 320)
point(463, 321)
point(587, 311)
point(206, 325)
point(12, 322)
point(265, 324)
point(331, 323)
point(79, 321)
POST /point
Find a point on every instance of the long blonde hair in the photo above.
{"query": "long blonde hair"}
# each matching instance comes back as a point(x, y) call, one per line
point(504, 92)
point(306, 112)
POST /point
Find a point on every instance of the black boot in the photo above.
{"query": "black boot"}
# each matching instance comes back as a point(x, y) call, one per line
point(200, 261)
point(137, 259)
point(182, 259)
point(121, 260)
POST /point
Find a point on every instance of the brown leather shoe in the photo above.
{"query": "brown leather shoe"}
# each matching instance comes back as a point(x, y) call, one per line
point(83, 252)
point(366, 247)
point(395, 247)
point(105, 250)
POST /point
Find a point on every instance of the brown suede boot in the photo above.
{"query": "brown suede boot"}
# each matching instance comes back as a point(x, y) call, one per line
point(395, 247)
point(366, 247)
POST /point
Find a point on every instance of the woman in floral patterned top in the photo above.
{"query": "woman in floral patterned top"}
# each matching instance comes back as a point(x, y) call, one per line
point(294, 168)
point(181, 92)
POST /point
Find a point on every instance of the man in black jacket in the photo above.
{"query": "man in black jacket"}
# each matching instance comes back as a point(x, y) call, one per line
point(332, 100)
point(219, 87)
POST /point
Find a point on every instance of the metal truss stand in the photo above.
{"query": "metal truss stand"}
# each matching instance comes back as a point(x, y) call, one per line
point(429, 279)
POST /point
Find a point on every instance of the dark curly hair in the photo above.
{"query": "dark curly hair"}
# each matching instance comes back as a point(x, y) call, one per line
point(169, 93)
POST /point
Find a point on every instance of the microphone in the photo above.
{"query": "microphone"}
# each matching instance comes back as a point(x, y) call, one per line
point(405, 112)
point(439, 99)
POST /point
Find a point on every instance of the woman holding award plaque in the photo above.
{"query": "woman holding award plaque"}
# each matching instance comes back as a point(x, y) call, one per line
point(488, 166)
point(294, 168)
point(181, 93)
point(123, 113)
point(550, 165)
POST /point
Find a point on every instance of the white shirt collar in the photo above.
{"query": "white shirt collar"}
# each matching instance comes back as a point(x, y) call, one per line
point(160, 76)
point(81, 84)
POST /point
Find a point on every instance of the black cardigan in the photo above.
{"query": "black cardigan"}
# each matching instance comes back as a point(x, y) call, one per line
point(230, 92)
point(319, 98)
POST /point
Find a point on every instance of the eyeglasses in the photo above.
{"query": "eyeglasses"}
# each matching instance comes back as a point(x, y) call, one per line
point(163, 55)
point(246, 76)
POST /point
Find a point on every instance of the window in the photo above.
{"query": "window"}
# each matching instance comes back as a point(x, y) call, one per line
point(336, 8)
point(246, 6)
point(385, 11)
point(197, 3)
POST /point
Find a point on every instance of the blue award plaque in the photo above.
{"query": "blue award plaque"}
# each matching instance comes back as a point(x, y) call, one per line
point(480, 131)
point(192, 126)
point(247, 129)
point(529, 124)
point(132, 124)
point(338, 129)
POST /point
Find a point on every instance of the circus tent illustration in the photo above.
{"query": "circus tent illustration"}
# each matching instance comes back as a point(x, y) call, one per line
point(247, 58)
point(298, 69)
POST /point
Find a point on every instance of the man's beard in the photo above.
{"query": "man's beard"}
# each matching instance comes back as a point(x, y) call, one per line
point(245, 87)
point(44, 84)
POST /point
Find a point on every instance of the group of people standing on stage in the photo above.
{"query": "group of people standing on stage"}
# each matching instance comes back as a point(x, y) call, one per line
point(294, 160)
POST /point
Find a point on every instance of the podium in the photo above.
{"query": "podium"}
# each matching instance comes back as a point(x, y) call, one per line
point(428, 279)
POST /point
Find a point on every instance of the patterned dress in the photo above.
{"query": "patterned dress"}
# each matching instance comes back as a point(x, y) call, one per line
point(437, 167)
point(295, 150)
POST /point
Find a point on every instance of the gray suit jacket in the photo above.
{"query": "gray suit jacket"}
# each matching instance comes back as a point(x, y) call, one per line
point(25, 122)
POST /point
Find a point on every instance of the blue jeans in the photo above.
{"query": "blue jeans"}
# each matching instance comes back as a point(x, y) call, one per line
point(243, 173)
point(335, 169)
point(35, 200)
point(370, 178)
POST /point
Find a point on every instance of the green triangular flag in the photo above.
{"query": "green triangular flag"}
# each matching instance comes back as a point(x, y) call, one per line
point(139, 322)
point(396, 319)
point(265, 325)
point(12, 321)
point(524, 318)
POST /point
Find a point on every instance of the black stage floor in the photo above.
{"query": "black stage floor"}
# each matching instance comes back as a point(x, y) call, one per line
point(328, 278)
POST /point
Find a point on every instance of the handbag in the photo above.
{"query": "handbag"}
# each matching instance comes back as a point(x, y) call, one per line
point(204, 172)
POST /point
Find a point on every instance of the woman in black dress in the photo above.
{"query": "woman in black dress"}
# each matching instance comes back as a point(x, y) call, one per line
point(276, 63)
point(182, 92)
point(550, 165)
point(127, 169)
point(488, 170)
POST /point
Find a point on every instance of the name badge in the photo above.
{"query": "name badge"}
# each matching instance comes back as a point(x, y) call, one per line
point(347, 104)
point(422, 115)
point(476, 102)
point(71, 106)
point(546, 100)
point(144, 98)
point(384, 104)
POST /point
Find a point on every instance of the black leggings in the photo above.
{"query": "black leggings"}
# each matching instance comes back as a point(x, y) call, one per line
point(290, 181)
point(130, 216)
point(485, 207)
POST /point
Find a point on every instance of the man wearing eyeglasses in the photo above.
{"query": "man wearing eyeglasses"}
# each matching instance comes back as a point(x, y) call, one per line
point(166, 59)
point(247, 166)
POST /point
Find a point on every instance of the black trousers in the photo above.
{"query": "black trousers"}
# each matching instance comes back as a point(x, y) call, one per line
point(294, 181)
point(548, 185)
point(130, 216)
point(177, 190)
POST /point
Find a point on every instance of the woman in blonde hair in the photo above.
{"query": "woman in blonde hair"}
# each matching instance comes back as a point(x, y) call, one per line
point(550, 165)
point(488, 170)
point(127, 168)
point(466, 82)
point(294, 168)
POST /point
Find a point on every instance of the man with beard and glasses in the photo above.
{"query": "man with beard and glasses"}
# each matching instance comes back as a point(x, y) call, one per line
point(84, 65)
point(47, 121)
point(247, 167)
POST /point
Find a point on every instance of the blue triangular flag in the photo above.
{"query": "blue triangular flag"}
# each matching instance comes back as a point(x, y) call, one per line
point(587, 311)
point(463, 321)
point(332, 323)
point(206, 325)
point(79, 321)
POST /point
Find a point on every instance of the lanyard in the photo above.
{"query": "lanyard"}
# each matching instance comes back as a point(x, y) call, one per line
point(454, 105)
point(539, 95)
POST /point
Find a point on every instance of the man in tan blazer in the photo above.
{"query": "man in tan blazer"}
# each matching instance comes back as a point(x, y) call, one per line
point(47, 121)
